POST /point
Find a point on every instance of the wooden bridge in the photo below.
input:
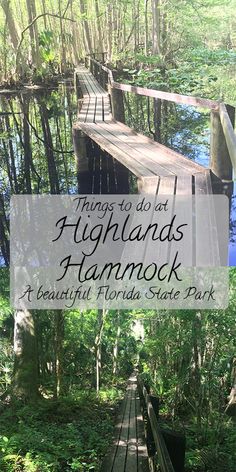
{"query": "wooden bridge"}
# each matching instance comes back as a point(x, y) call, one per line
point(157, 168)
point(128, 451)
point(140, 443)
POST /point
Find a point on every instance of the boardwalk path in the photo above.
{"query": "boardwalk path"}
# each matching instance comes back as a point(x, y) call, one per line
point(158, 169)
point(128, 452)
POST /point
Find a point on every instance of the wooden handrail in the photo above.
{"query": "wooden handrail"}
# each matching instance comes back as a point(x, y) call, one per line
point(170, 97)
point(162, 452)
point(213, 105)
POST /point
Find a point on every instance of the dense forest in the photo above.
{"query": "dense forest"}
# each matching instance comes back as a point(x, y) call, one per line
point(63, 373)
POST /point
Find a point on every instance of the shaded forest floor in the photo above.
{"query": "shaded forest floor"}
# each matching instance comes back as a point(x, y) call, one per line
point(70, 434)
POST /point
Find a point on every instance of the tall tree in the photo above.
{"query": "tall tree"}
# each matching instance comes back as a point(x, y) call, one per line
point(156, 27)
point(25, 375)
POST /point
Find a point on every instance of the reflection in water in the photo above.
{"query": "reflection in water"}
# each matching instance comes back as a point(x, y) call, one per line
point(36, 153)
point(36, 142)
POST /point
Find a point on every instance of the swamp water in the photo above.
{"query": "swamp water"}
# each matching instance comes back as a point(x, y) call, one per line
point(36, 148)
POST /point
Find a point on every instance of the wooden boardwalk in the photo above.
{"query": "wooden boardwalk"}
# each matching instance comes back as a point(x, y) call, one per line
point(157, 168)
point(128, 453)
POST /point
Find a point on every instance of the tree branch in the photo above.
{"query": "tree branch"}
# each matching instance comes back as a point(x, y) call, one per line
point(54, 15)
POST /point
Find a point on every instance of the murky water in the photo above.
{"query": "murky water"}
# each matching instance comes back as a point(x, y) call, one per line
point(36, 149)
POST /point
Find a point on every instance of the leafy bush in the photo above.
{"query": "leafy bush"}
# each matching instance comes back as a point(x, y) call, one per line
point(54, 436)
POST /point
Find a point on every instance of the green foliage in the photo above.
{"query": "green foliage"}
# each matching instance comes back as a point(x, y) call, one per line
point(70, 434)
point(199, 72)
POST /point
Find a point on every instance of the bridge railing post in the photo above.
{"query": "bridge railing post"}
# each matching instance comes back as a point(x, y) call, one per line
point(220, 162)
point(117, 104)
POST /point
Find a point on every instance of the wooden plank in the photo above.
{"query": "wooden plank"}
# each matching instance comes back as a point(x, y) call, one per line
point(108, 461)
point(148, 185)
point(170, 97)
point(157, 149)
point(183, 188)
point(128, 453)
point(142, 454)
point(106, 109)
point(184, 185)
point(167, 185)
point(229, 133)
point(99, 113)
point(205, 217)
point(132, 164)
point(82, 114)
point(121, 451)
point(131, 459)
point(113, 133)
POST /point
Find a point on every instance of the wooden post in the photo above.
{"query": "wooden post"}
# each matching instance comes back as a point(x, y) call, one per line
point(220, 164)
point(82, 161)
point(117, 104)
point(155, 404)
point(122, 178)
point(76, 82)
point(77, 86)
point(176, 445)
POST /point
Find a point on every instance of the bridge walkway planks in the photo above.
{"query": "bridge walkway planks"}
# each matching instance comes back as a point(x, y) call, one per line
point(156, 167)
point(128, 453)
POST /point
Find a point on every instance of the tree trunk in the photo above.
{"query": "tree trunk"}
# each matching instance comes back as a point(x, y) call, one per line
point(196, 336)
point(27, 145)
point(88, 45)
point(155, 27)
point(58, 342)
point(48, 144)
point(146, 27)
point(4, 234)
point(98, 340)
point(25, 375)
point(231, 407)
point(11, 23)
point(63, 50)
point(33, 33)
point(98, 22)
point(116, 345)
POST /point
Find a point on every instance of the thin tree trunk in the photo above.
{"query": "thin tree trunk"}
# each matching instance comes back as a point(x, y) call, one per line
point(196, 336)
point(116, 344)
point(25, 375)
point(98, 340)
point(4, 234)
point(100, 42)
point(86, 27)
point(63, 50)
point(11, 23)
point(27, 145)
point(59, 336)
point(155, 27)
point(48, 144)
point(146, 27)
